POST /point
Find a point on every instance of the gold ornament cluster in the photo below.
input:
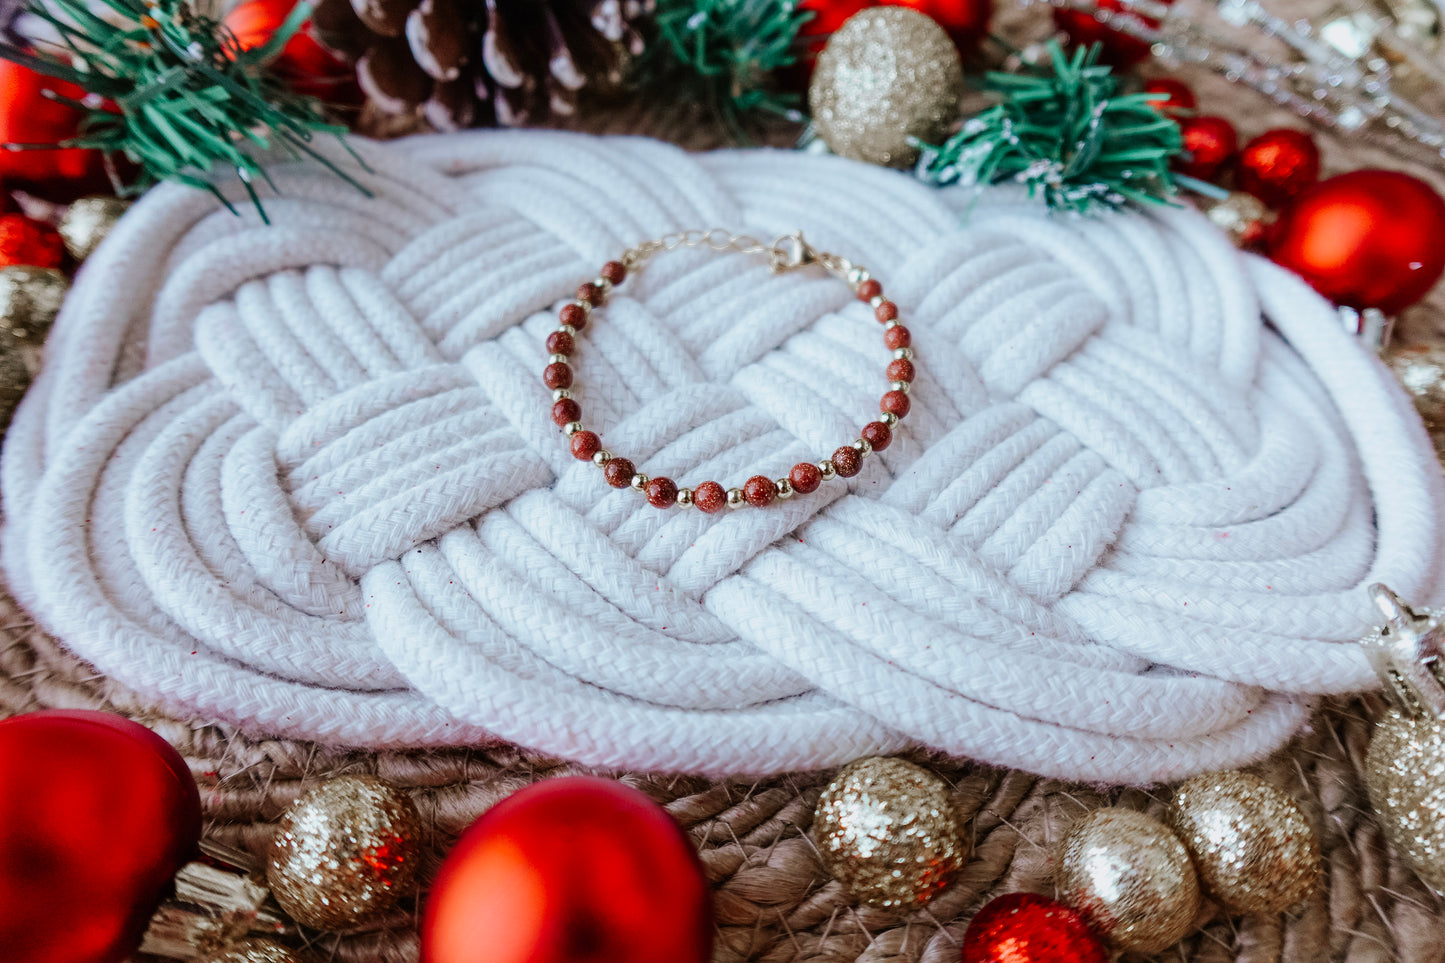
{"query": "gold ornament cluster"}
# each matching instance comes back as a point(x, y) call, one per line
point(888, 78)
point(1405, 777)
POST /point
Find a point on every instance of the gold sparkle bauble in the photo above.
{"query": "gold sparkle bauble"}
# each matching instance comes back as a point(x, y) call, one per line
point(1254, 850)
point(344, 853)
point(30, 298)
point(1130, 878)
point(254, 951)
point(87, 222)
point(887, 75)
point(888, 831)
point(1405, 777)
point(1420, 369)
point(1242, 216)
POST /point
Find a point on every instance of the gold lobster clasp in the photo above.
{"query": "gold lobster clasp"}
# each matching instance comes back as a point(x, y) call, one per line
point(1406, 654)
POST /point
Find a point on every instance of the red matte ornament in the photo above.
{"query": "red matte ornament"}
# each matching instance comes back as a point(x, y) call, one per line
point(306, 66)
point(1367, 239)
point(27, 116)
point(97, 814)
point(965, 21)
point(1180, 99)
point(1278, 164)
point(573, 870)
point(1210, 142)
point(1027, 928)
point(27, 242)
point(1118, 49)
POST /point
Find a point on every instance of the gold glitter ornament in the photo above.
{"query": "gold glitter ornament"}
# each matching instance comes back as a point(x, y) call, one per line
point(1130, 878)
point(1405, 764)
point(1254, 850)
point(1242, 216)
point(344, 853)
point(888, 75)
point(254, 951)
point(888, 831)
point(1420, 369)
point(87, 222)
point(30, 298)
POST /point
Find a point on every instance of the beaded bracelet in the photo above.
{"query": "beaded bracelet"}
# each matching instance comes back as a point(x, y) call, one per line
point(786, 253)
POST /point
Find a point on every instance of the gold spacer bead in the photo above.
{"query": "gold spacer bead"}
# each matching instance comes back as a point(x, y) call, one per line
point(892, 323)
point(566, 329)
point(561, 394)
point(572, 427)
point(876, 300)
point(902, 386)
point(602, 283)
point(684, 497)
point(889, 419)
point(784, 487)
point(857, 275)
point(736, 499)
point(901, 354)
point(584, 305)
point(826, 468)
point(639, 482)
point(601, 457)
point(863, 447)
point(556, 359)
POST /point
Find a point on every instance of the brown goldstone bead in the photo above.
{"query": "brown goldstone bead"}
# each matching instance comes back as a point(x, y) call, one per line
point(885, 312)
point(661, 492)
point(566, 411)
point(900, 369)
point(557, 376)
point(899, 337)
point(619, 472)
point(614, 271)
point(805, 477)
point(869, 290)
point(847, 461)
point(710, 497)
point(590, 293)
point(585, 444)
point(877, 434)
point(896, 402)
point(573, 314)
point(560, 342)
point(759, 491)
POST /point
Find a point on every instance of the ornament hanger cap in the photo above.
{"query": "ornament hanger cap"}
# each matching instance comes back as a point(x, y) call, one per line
point(1406, 654)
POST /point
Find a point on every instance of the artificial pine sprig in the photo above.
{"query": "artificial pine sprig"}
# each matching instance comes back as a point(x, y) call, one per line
point(724, 53)
point(176, 93)
point(1063, 133)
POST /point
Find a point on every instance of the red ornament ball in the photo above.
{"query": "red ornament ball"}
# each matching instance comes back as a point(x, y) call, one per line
point(965, 21)
point(27, 116)
point(97, 814)
point(1278, 164)
point(304, 63)
point(26, 242)
point(574, 870)
point(1027, 928)
point(1367, 239)
point(1117, 49)
point(1210, 142)
point(1178, 98)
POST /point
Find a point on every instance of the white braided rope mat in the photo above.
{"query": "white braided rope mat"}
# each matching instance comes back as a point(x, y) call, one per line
point(301, 478)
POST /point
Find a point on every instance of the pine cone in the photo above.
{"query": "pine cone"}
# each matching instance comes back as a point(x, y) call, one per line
point(464, 63)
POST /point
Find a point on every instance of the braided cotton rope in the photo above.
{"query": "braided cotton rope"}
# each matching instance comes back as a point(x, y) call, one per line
point(302, 478)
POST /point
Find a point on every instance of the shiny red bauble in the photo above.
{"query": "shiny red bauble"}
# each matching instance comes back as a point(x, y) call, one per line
point(27, 116)
point(574, 870)
point(24, 241)
point(1277, 165)
point(965, 21)
point(1177, 97)
point(1210, 143)
point(1026, 928)
point(306, 66)
point(1367, 239)
point(1118, 49)
point(97, 814)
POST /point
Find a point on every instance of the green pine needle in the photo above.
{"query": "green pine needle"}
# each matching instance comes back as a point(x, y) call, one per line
point(182, 98)
point(724, 53)
point(1064, 134)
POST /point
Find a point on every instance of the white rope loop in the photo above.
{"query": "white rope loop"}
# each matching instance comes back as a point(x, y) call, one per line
point(301, 478)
